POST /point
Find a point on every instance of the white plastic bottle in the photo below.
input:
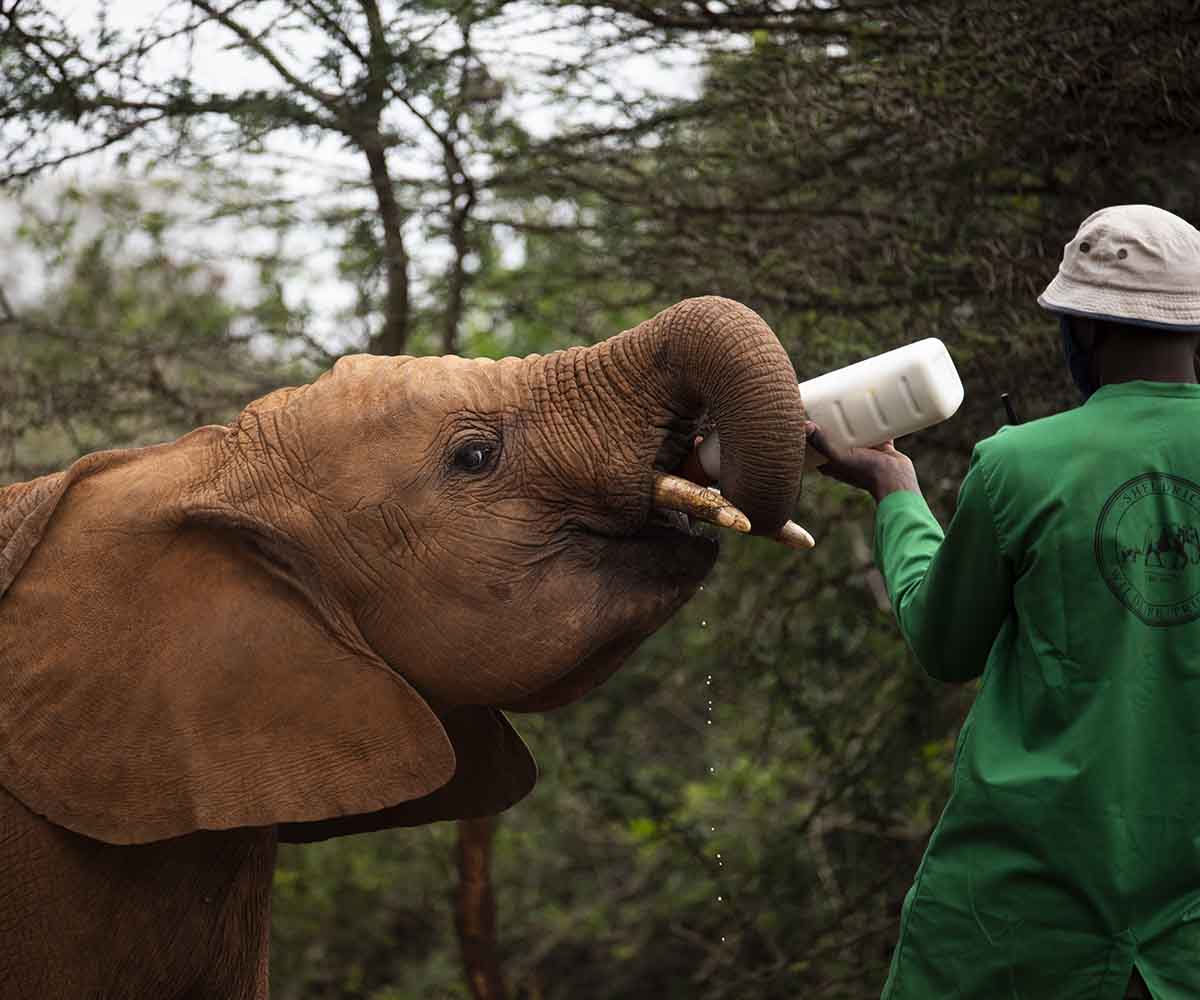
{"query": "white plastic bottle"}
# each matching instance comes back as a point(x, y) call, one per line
point(872, 401)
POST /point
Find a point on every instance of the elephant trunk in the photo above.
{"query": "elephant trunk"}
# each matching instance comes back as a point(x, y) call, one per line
point(717, 356)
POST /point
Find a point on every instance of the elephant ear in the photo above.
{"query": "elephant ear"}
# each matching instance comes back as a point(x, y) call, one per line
point(24, 510)
point(164, 675)
point(482, 739)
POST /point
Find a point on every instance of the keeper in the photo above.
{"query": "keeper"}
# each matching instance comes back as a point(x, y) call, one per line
point(1067, 861)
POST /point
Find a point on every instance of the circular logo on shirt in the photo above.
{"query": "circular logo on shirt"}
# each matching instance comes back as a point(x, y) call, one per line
point(1147, 545)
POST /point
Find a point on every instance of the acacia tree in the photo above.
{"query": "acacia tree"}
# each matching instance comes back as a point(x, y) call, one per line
point(400, 87)
point(127, 337)
point(848, 159)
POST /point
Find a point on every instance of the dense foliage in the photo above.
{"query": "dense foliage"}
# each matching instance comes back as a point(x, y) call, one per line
point(863, 174)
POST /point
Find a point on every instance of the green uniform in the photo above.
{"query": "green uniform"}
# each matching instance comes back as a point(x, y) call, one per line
point(1069, 579)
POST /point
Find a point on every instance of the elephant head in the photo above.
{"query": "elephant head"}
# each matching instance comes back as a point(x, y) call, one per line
point(310, 617)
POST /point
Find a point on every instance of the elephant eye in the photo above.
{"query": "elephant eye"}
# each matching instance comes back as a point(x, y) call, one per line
point(474, 456)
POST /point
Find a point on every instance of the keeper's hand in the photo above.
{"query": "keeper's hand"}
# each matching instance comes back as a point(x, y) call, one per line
point(880, 471)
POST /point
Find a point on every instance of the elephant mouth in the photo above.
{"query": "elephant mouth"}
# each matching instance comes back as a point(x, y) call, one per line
point(678, 521)
point(669, 545)
point(649, 574)
point(673, 494)
point(668, 556)
point(698, 541)
point(676, 495)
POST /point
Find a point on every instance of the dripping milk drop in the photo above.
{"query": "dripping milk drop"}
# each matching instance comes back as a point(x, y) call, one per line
point(711, 769)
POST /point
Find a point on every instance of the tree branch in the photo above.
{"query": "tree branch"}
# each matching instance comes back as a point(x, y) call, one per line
point(49, 164)
point(255, 44)
point(325, 20)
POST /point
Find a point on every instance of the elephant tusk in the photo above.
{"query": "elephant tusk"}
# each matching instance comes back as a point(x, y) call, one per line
point(700, 502)
point(795, 537)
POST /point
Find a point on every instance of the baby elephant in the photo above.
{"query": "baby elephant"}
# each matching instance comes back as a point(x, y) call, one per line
point(305, 624)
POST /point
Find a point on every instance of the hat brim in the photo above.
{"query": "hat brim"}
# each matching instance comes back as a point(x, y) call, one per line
point(1157, 310)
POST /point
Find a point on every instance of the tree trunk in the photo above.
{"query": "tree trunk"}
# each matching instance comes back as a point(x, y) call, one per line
point(392, 337)
point(461, 195)
point(462, 201)
point(475, 909)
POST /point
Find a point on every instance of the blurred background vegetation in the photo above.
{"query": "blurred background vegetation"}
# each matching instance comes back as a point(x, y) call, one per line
point(506, 177)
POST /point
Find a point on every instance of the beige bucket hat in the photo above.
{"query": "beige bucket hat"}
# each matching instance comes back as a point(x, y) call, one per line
point(1133, 263)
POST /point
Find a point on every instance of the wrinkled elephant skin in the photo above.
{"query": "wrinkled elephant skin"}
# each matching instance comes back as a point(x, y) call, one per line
point(304, 625)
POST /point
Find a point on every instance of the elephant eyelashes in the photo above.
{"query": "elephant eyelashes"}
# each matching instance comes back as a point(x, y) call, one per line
point(474, 456)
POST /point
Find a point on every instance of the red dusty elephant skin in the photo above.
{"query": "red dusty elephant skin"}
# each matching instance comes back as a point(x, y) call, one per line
point(304, 624)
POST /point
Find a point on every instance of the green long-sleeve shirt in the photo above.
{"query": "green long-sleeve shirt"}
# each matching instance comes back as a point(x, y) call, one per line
point(1069, 579)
